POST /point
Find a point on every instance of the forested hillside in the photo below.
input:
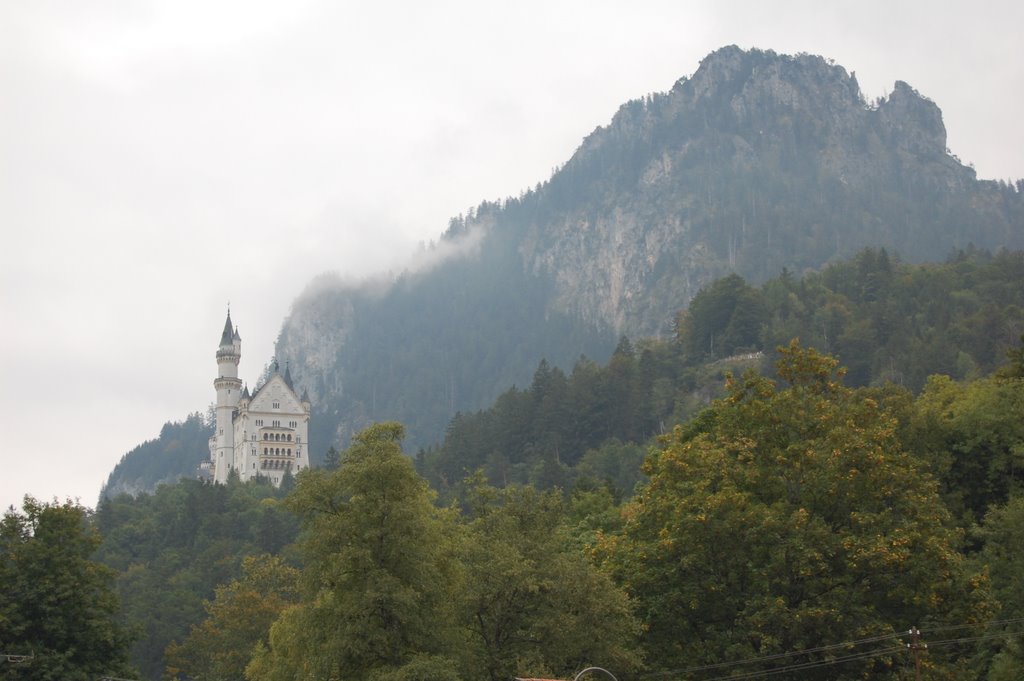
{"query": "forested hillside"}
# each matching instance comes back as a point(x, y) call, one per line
point(755, 164)
point(736, 393)
point(176, 453)
point(172, 548)
point(887, 321)
point(794, 523)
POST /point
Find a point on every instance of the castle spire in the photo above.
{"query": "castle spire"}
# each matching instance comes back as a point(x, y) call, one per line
point(228, 335)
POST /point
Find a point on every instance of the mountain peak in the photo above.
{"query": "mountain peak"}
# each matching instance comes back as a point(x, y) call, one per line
point(912, 123)
point(757, 162)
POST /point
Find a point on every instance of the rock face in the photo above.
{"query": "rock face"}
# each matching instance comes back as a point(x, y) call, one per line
point(756, 162)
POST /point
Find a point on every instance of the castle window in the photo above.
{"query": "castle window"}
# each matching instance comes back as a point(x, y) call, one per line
point(289, 437)
point(277, 405)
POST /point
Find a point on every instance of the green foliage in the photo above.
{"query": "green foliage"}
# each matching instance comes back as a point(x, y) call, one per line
point(171, 549)
point(973, 435)
point(563, 428)
point(723, 319)
point(488, 321)
point(175, 454)
point(238, 618)
point(615, 463)
point(56, 603)
point(332, 460)
point(1002, 535)
point(792, 519)
point(1015, 367)
point(377, 580)
point(886, 320)
point(531, 603)
point(890, 321)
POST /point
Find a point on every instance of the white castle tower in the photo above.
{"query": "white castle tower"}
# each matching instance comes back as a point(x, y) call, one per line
point(265, 434)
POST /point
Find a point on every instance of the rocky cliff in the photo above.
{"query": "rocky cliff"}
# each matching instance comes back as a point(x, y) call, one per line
point(756, 162)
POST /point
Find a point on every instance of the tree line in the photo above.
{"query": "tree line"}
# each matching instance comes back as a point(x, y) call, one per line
point(888, 322)
point(678, 511)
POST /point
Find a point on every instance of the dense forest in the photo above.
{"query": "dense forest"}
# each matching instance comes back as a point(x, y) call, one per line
point(756, 163)
point(795, 524)
point(801, 460)
point(888, 322)
point(176, 452)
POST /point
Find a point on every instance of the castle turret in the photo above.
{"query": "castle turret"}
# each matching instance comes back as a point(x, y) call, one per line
point(259, 434)
point(228, 387)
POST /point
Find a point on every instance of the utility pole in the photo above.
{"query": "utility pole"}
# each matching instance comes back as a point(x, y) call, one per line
point(916, 645)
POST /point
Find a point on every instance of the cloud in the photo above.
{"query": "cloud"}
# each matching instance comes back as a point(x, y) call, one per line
point(159, 159)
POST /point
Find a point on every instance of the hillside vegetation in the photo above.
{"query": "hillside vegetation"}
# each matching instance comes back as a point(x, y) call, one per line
point(888, 322)
point(796, 522)
point(755, 164)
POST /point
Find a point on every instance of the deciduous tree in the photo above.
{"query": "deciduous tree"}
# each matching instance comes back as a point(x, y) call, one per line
point(378, 576)
point(532, 603)
point(56, 603)
point(239, 617)
point(787, 519)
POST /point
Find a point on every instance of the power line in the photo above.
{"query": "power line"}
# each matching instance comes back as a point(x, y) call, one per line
point(914, 632)
point(972, 639)
point(776, 656)
point(810, 665)
point(975, 625)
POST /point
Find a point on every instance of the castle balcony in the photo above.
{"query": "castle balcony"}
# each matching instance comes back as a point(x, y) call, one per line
point(283, 453)
point(276, 434)
point(275, 464)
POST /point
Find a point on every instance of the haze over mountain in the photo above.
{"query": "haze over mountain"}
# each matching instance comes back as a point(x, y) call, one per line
point(755, 163)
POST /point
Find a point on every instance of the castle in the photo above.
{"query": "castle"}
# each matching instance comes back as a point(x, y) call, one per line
point(264, 434)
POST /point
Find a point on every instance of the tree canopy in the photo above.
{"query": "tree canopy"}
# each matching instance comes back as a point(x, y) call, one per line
point(57, 605)
point(785, 519)
point(377, 581)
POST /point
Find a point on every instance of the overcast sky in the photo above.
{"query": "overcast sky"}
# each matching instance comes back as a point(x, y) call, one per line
point(160, 159)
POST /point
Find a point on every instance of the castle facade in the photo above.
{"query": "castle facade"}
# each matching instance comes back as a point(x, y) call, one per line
point(263, 434)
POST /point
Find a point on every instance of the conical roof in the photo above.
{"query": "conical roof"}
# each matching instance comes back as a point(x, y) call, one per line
point(227, 337)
